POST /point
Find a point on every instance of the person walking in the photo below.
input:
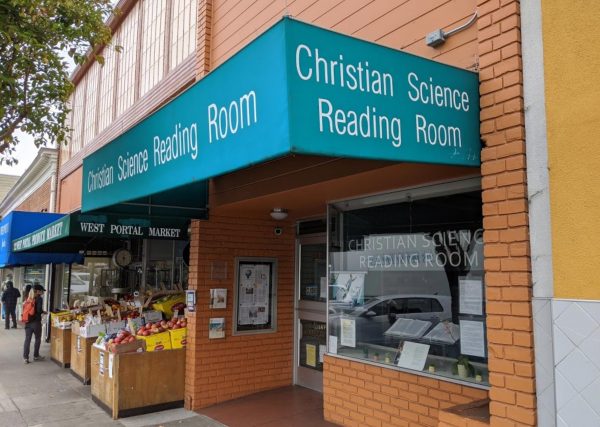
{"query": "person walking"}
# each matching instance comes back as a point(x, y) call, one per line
point(34, 325)
point(9, 301)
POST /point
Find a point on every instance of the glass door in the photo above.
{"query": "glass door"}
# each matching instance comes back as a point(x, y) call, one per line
point(311, 297)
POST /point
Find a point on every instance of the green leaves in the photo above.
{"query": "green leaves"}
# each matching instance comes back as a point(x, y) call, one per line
point(34, 82)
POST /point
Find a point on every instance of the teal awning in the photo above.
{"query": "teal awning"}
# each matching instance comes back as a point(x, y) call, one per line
point(78, 232)
point(295, 89)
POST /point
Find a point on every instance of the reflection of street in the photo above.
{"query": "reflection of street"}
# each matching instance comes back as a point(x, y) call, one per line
point(389, 319)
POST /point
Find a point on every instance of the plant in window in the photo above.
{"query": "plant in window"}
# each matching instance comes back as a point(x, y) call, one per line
point(464, 367)
point(431, 368)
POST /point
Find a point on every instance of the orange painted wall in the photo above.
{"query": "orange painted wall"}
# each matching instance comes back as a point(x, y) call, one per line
point(223, 369)
point(393, 23)
point(69, 196)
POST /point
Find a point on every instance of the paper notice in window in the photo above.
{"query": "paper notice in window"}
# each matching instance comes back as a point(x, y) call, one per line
point(322, 351)
point(471, 296)
point(348, 332)
point(472, 338)
point(413, 356)
point(333, 344)
point(323, 287)
point(311, 355)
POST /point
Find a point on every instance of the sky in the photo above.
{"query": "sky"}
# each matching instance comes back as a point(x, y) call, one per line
point(26, 152)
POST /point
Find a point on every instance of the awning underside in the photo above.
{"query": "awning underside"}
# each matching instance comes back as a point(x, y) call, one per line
point(188, 201)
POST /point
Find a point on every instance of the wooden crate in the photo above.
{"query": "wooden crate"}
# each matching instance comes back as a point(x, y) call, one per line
point(81, 356)
point(138, 383)
point(60, 346)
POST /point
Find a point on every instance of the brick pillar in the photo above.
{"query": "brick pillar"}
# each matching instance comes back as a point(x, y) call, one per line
point(203, 37)
point(192, 376)
point(505, 216)
point(195, 329)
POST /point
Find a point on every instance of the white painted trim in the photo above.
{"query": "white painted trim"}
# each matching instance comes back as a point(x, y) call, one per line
point(537, 149)
point(43, 167)
point(538, 185)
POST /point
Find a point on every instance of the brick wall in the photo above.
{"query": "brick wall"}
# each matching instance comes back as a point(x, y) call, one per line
point(358, 394)
point(204, 33)
point(505, 210)
point(223, 369)
point(38, 201)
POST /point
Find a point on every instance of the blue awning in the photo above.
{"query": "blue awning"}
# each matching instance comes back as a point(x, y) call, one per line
point(17, 224)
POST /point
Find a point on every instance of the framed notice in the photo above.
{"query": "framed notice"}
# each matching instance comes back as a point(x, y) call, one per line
point(255, 295)
point(216, 328)
point(218, 298)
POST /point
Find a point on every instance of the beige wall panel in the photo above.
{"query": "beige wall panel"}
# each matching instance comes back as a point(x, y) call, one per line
point(397, 24)
point(70, 192)
point(338, 14)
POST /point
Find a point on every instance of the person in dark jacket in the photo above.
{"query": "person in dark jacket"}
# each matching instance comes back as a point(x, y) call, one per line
point(9, 301)
point(34, 326)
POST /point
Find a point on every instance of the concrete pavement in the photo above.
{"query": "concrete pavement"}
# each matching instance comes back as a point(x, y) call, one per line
point(42, 394)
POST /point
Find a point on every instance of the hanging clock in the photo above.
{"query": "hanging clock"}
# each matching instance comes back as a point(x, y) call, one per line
point(122, 257)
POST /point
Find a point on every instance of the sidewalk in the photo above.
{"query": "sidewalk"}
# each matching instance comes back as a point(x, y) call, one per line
point(42, 394)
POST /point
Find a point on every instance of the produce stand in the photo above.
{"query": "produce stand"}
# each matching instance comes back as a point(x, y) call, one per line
point(60, 346)
point(128, 384)
point(81, 356)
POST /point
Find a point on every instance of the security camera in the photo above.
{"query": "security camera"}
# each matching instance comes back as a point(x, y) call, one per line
point(278, 231)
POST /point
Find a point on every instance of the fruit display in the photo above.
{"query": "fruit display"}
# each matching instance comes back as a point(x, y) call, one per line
point(162, 326)
point(123, 337)
point(120, 342)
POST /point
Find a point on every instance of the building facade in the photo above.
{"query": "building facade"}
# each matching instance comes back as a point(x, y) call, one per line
point(34, 191)
point(342, 214)
point(562, 117)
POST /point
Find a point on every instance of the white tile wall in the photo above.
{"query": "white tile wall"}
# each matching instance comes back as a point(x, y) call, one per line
point(576, 332)
point(544, 361)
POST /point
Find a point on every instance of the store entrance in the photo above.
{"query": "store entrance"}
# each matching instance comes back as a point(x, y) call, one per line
point(311, 297)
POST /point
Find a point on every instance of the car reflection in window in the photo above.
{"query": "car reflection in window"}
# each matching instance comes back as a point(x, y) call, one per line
point(377, 315)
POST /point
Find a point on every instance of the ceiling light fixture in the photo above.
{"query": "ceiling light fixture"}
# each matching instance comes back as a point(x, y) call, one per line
point(279, 214)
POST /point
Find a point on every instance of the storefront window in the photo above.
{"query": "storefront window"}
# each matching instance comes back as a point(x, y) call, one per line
point(166, 269)
point(85, 279)
point(35, 274)
point(406, 283)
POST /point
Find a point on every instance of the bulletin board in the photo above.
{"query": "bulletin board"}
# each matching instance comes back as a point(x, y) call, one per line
point(255, 295)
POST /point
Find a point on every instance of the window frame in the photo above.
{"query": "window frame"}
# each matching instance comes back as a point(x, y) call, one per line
point(334, 232)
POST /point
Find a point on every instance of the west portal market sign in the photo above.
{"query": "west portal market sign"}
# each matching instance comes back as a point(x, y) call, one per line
point(296, 89)
point(84, 225)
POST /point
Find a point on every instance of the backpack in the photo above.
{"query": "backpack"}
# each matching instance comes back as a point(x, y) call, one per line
point(28, 310)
